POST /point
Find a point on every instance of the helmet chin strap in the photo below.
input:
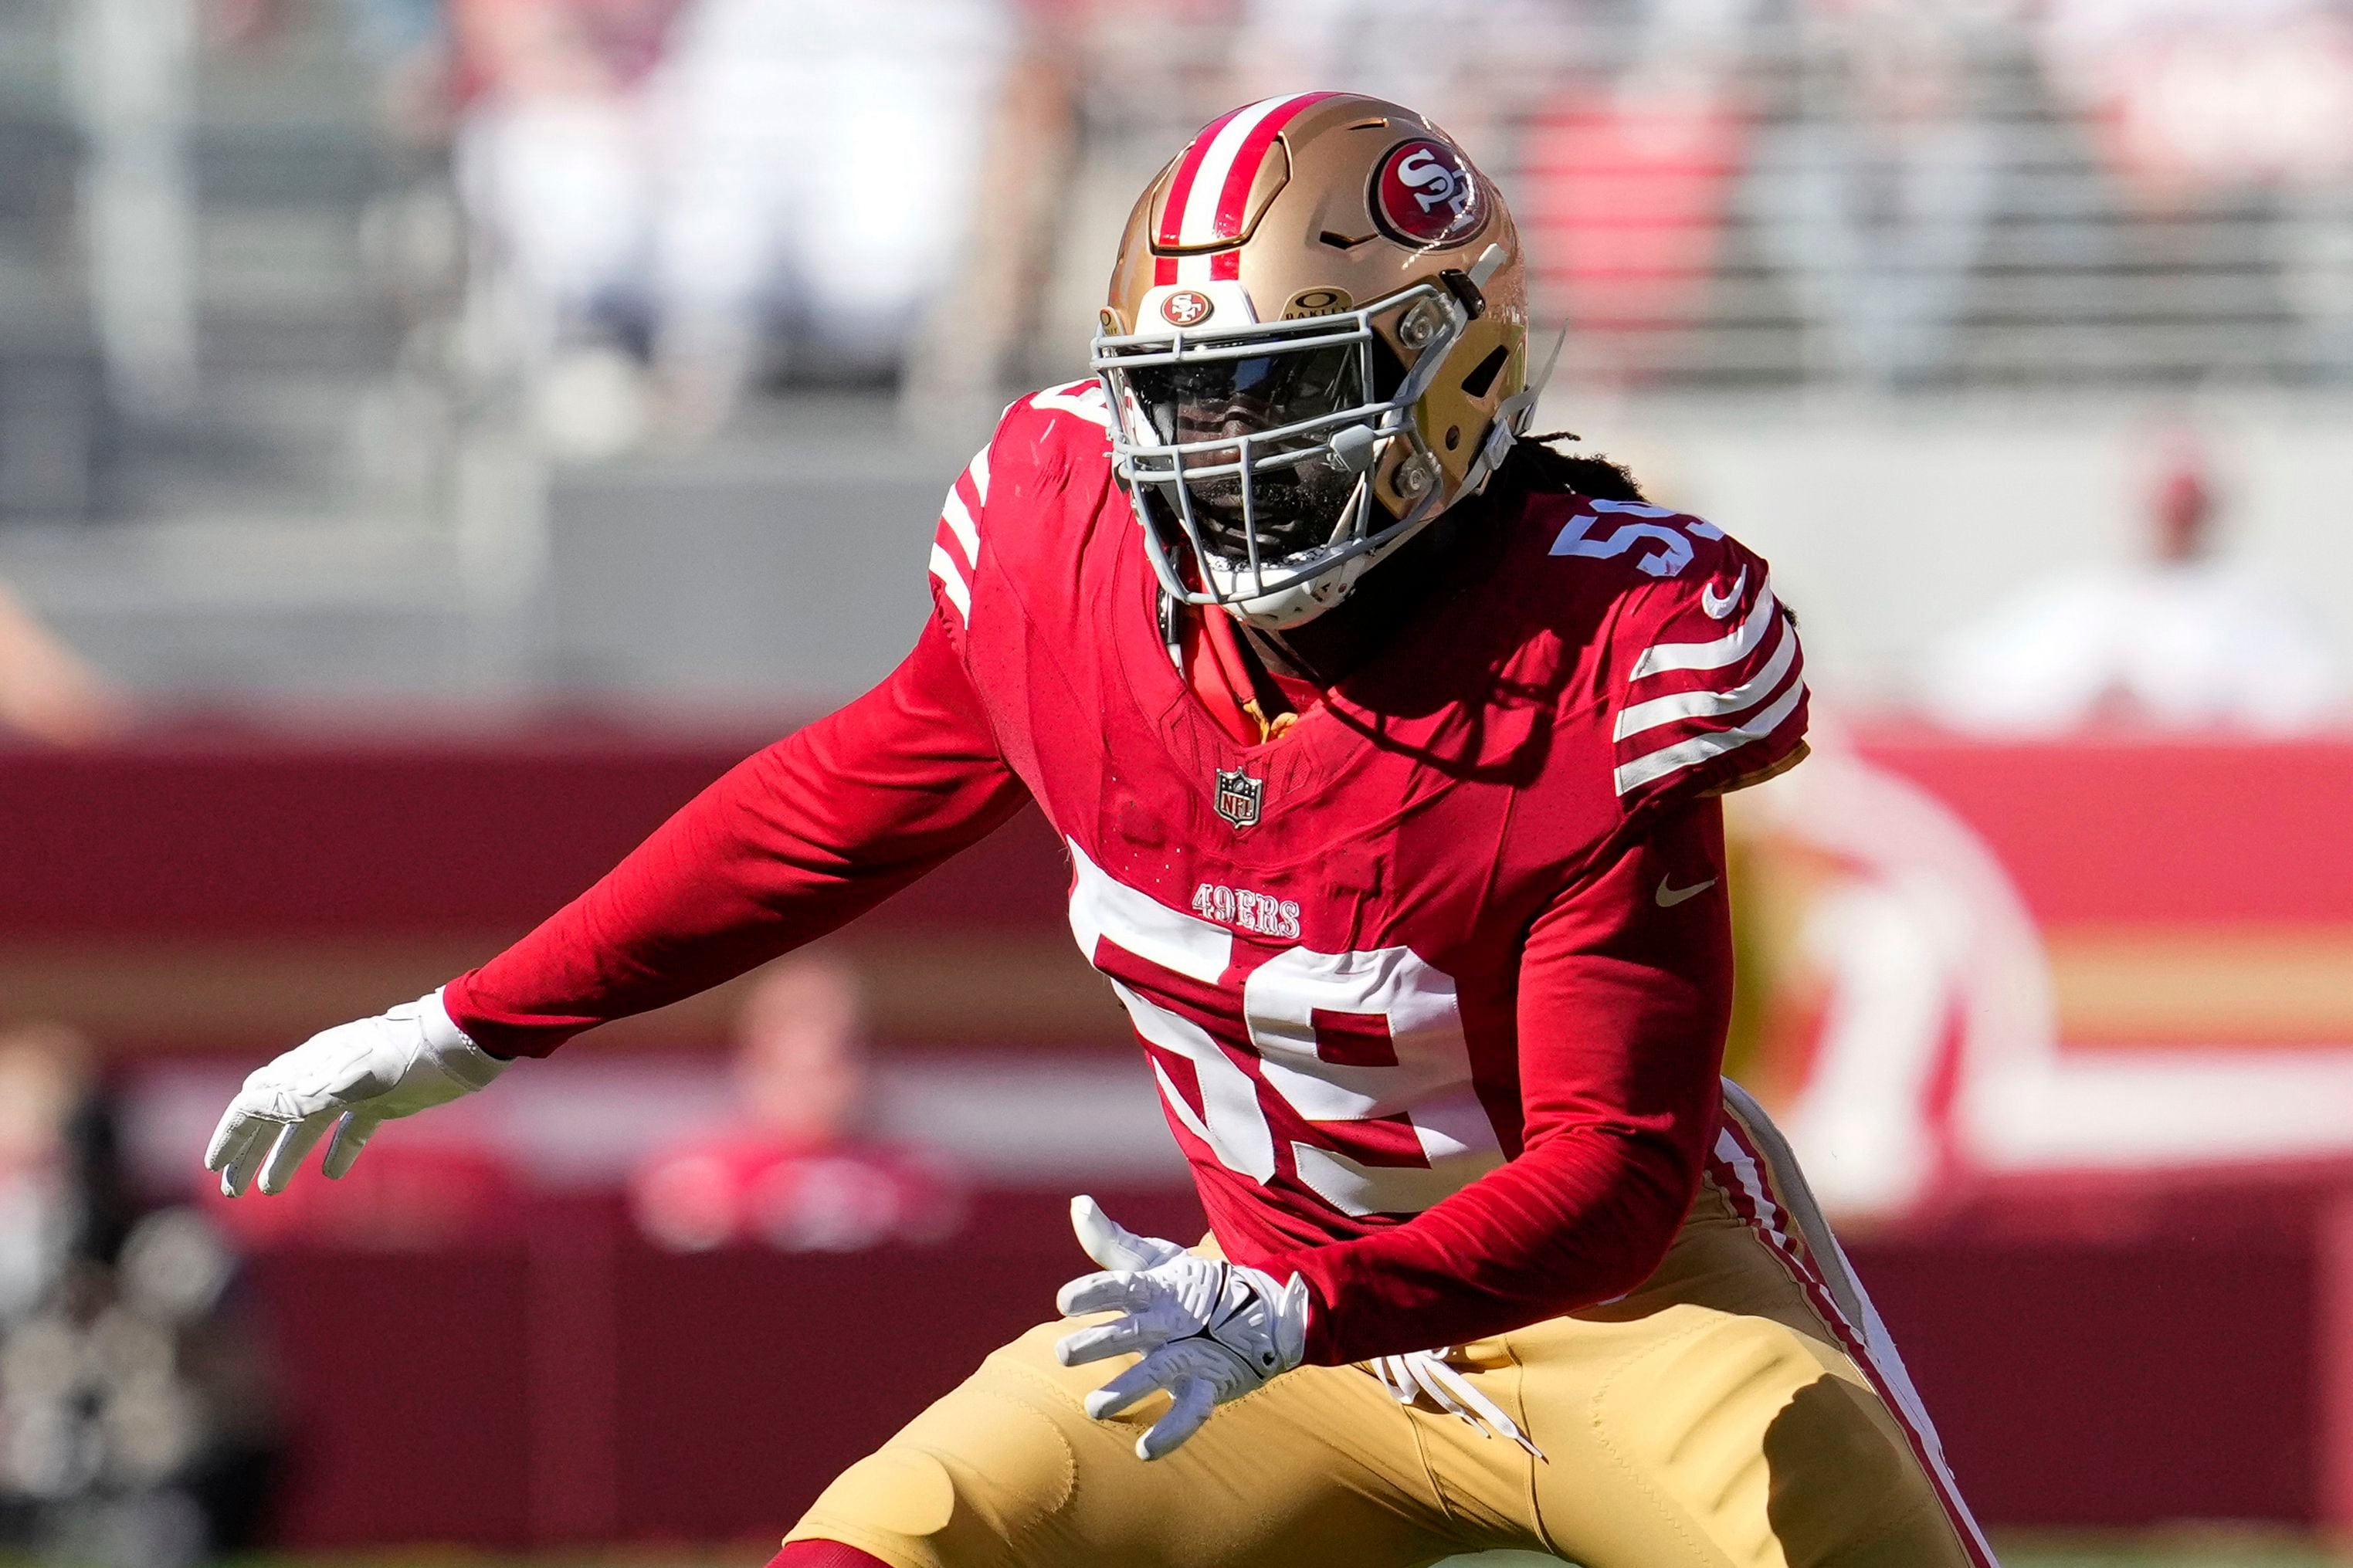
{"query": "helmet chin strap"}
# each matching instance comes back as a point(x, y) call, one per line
point(1295, 603)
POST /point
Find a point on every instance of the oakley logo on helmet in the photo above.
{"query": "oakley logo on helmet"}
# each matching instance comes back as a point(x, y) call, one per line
point(1424, 193)
point(1317, 303)
point(1185, 308)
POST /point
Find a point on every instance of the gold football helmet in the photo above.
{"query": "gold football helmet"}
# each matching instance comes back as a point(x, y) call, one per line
point(1316, 342)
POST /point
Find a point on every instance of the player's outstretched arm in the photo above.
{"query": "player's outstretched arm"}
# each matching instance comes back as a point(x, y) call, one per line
point(791, 844)
point(351, 1078)
point(1625, 995)
point(787, 846)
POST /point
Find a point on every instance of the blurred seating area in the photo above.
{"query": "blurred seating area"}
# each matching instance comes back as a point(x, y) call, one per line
point(365, 332)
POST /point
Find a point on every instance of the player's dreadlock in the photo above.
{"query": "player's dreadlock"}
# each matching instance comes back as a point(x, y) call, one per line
point(1536, 464)
point(1328, 646)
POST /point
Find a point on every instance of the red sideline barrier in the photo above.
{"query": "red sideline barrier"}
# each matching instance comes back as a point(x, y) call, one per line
point(240, 836)
point(2147, 830)
point(571, 1384)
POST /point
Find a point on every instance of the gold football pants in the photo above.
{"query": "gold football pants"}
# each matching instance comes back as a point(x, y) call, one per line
point(1742, 1407)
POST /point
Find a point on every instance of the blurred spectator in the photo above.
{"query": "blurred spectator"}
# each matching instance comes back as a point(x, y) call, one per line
point(819, 170)
point(555, 167)
point(1450, 71)
point(700, 179)
point(2192, 101)
point(1879, 196)
point(2183, 640)
point(57, 1201)
point(1625, 186)
point(799, 1169)
point(2187, 95)
point(136, 1423)
point(131, 73)
point(46, 691)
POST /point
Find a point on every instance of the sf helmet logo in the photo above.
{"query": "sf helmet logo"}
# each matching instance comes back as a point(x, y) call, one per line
point(1185, 308)
point(1239, 798)
point(1424, 193)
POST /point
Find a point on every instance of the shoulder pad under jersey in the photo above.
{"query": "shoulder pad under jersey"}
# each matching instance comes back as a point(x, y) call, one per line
point(956, 542)
point(1037, 438)
point(1702, 675)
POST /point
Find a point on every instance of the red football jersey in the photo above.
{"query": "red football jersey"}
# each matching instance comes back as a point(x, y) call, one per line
point(1319, 938)
point(1463, 919)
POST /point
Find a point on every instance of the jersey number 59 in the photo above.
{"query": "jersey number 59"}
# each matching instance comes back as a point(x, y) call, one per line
point(1348, 1071)
point(1671, 551)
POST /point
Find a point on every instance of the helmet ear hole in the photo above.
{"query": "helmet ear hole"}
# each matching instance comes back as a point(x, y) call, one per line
point(1483, 375)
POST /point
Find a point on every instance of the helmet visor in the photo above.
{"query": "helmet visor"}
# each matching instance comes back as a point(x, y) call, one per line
point(1219, 412)
point(1213, 400)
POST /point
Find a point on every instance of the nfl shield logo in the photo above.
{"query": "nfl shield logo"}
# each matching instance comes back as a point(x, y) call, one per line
point(1239, 798)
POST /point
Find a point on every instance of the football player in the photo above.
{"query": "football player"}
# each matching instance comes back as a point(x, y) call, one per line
point(1385, 743)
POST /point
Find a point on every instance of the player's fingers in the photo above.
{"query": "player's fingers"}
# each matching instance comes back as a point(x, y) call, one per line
point(1115, 1338)
point(235, 1130)
point(352, 1134)
point(1112, 1244)
point(234, 1138)
point(286, 1155)
point(1125, 1389)
point(1113, 1290)
point(1099, 1234)
point(242, 1157)
point(1190, 1406)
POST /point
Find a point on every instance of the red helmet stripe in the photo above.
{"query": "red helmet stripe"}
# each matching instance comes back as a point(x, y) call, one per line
point(1233, 200)
point(1211, 191)
point(1188, 168)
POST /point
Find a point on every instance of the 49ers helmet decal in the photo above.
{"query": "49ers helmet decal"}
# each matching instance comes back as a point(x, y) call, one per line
point(1315, 342)
point(1424, 193)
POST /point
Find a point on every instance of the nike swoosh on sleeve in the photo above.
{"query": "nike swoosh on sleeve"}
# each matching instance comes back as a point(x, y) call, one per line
point(1669, 897)
point(1719, 608)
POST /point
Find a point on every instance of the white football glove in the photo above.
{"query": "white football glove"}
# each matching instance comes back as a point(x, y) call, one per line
point(351, 1076)
point(1210, 1330)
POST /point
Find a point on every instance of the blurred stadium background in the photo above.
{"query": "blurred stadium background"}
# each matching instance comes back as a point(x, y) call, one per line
point(438, 436)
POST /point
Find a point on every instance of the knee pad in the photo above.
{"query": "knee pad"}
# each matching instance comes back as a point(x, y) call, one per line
point(968, 1481)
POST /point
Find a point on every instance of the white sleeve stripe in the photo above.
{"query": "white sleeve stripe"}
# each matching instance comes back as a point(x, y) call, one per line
point(958, 516)
point(1641, 716)
point(1700, 748)
point(951, 577)
point(1660, 657)
point(978, 469)
point(1084, 399)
